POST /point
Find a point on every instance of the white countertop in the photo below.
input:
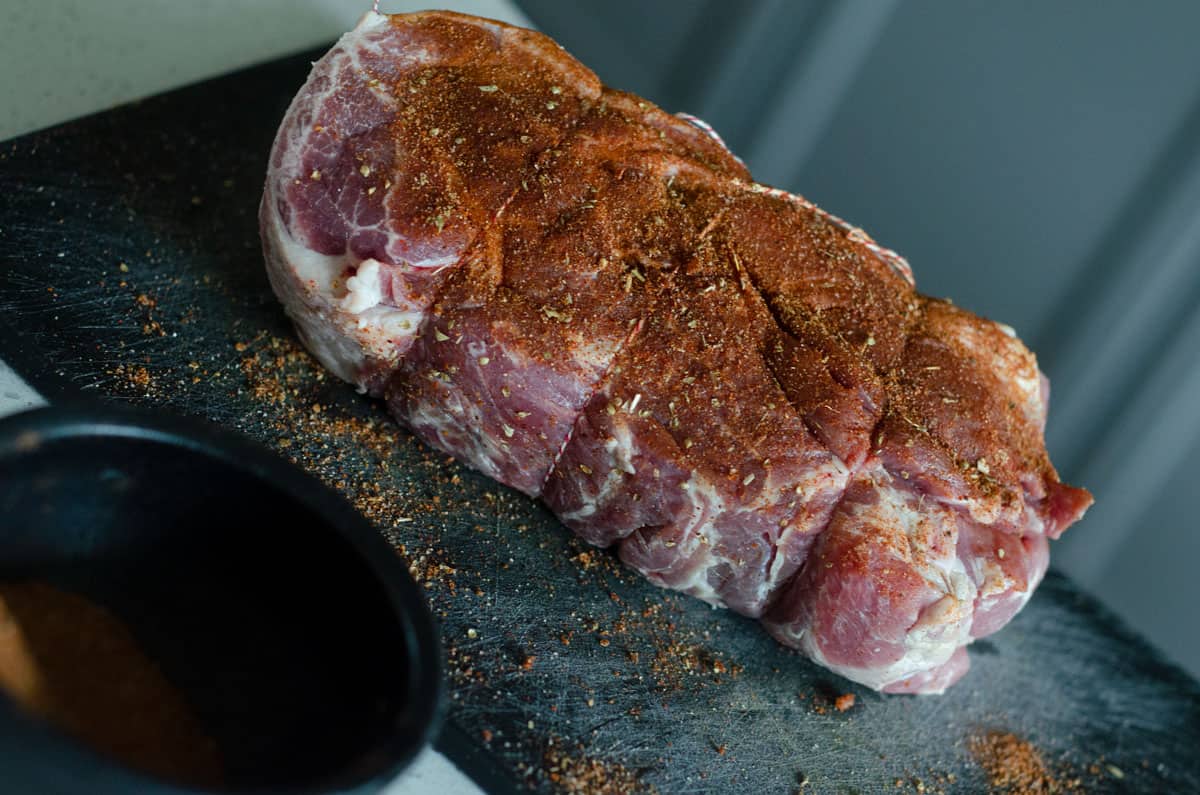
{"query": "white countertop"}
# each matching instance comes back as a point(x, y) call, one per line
point(61, 59)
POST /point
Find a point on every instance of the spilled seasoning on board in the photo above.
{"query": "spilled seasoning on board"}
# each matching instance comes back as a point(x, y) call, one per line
point(571, 770)
point(1015, 765)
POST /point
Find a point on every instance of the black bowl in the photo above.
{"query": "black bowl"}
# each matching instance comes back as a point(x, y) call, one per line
point(291, 628)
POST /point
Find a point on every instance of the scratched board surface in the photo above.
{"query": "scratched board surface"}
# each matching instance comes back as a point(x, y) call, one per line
point(130, 270)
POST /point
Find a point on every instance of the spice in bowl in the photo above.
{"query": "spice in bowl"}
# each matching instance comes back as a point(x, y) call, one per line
point(74, 664)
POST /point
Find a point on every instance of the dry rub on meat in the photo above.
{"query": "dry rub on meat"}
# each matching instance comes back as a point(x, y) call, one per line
point(590, 300)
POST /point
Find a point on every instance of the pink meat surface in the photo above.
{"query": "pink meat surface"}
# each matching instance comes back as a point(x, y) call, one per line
point(590, 300)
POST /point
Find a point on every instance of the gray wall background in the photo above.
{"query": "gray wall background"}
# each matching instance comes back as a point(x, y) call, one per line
point(1037, 162)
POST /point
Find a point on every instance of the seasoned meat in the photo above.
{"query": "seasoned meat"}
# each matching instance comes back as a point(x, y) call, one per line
point(590, 300)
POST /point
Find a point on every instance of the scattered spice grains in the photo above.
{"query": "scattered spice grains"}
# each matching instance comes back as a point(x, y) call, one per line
point(284, 376)
point(595, 562)
point(576, 772)
point(930, 784)
point(135, 378)
point(844, 702)
point(150, 325)
point(678, 662)
point(588, 560)
point(1014, 765)
point(679, 657)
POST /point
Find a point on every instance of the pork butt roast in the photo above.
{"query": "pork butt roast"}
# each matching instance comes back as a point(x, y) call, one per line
point(590, 300)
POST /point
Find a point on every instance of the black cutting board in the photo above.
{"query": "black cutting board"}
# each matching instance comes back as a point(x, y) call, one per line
point(130, 270)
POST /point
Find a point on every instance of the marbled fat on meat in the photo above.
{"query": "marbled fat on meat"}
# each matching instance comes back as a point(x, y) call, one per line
point(590, 300)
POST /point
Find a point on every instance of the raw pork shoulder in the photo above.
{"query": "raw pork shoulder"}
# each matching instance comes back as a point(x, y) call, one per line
point(591, 301)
